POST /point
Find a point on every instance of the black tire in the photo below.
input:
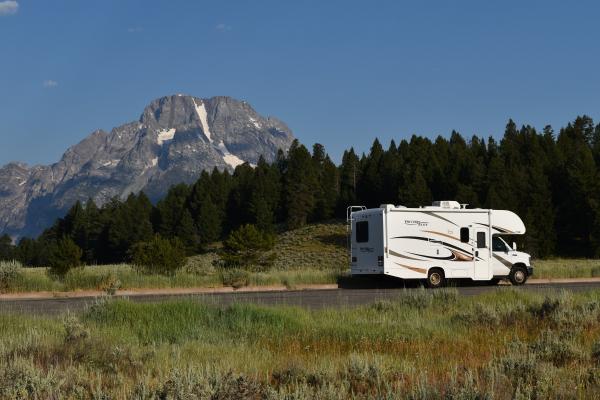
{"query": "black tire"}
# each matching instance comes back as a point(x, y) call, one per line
point(518, 276)
point(436, 278)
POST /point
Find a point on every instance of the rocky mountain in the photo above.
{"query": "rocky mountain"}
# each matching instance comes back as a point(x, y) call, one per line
point(175, 139)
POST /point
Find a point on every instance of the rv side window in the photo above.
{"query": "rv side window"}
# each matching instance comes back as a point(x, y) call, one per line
point(464, 235)
point(362, 231)
point(481, 240)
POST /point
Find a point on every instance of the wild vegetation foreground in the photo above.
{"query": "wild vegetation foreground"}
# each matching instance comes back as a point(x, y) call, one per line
point(424, 344)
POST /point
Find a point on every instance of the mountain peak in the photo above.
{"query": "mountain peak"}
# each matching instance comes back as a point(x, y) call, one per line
point(175, 138)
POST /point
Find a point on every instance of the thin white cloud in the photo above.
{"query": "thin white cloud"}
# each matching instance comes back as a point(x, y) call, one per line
point(135, 29)
point(49, 83)
point(8, 7)
point(223, 27)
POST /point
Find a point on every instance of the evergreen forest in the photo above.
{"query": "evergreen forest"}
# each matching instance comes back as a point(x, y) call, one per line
point(551, 179)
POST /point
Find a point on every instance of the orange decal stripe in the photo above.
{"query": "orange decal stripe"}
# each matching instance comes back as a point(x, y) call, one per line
point(419, 270)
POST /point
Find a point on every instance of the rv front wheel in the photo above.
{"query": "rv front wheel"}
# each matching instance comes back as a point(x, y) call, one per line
point(436, 278)
point(518, 276)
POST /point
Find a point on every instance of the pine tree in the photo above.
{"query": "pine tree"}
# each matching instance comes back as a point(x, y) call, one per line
point(370, 190)
point(187, 233)
point(209, 222)
point(300, 181)
point(7, 251)
point(265, 194)
point(576, 198)
point(349, 173)
point(328, 184)
point(415, 192)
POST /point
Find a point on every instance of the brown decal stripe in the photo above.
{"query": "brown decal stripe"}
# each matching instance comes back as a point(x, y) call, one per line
point(503, 261)
point(460, 257)
point(451, 246)
point(403, 256)
point(496, 228)
point(437, 216)
point(419, 270)
point(449, 258)
point(442, 234)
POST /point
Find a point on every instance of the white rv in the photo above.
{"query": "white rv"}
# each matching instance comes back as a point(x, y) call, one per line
point(436, 243)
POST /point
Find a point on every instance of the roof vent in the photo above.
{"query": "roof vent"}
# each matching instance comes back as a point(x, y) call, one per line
point(447, 204)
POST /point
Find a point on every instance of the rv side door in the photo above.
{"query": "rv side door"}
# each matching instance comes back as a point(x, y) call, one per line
point(481, 254)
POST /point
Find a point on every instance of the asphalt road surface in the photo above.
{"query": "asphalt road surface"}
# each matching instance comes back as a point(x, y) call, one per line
point(314, 299)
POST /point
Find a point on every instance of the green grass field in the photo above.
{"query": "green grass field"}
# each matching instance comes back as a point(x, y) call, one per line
point(423, 345)
point(315, 254)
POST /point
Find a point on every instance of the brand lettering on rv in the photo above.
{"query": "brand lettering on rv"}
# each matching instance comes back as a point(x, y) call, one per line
point(366, 249)
point(415, 222)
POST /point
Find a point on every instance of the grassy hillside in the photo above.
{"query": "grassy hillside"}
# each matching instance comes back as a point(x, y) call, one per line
point(320, 246)
point(423, 345)
point(313, 254)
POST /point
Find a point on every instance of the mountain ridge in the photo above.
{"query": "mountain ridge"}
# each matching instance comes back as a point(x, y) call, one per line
point(175, 138)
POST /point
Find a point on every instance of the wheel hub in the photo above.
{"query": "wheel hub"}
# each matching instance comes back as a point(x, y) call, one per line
point(519, 276)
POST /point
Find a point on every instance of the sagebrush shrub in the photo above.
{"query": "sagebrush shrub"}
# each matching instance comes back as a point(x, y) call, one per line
point(75, 331)
point(10, 275)
point(557, 348)
point(109, 284)
point(234, 277)
point(424, 298)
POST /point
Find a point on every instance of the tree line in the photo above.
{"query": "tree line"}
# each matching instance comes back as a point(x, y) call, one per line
point(550, 179)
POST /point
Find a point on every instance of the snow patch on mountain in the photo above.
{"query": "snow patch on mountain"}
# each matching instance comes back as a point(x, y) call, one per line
point(165, 135)
point(110, 163)
point(203, 116)
point(230, 159)
point(255, 123)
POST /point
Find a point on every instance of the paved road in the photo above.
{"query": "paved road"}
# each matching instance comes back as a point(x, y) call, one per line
point(306, 298)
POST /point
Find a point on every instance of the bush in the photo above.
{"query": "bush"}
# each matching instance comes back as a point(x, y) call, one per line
point(248, 246)
point(63, 256)
point(10, 275)
point(158, 256)
point(110, 284)
point(234, 277)
point(424, 298)
point(75, 331)
point(557, 348)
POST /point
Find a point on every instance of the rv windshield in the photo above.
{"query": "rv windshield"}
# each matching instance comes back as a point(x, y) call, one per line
point(498, 244)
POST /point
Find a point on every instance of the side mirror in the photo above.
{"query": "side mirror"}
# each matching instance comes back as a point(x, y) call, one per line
point(514, 246)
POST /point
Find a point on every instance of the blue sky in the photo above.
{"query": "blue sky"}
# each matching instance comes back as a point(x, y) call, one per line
point(337, 72)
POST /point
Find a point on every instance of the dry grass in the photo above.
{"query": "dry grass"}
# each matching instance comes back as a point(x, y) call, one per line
point(425, 344)
point(567, 268)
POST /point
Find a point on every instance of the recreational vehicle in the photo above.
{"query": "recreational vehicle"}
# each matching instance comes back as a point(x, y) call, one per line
point(436, 243)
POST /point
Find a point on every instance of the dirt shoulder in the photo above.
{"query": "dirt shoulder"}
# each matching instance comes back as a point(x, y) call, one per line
point(203, 290)
point(160, 291)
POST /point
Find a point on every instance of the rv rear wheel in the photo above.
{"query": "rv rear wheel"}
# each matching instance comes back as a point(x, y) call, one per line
point(436, 278)
point(518, 276)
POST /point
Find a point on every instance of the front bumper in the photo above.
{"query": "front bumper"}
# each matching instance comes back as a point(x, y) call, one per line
point(529, 270)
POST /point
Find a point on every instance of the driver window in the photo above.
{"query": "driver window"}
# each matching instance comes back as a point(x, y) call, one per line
point(497, 244)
